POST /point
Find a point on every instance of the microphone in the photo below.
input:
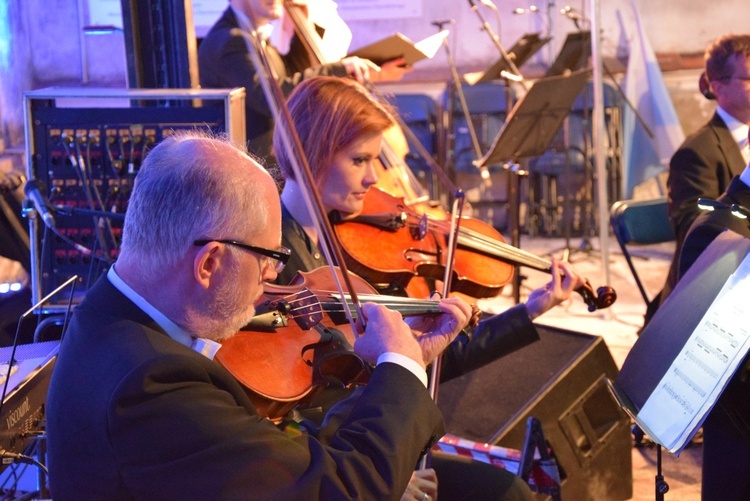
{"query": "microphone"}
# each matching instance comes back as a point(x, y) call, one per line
point(33, 190)
point(442, 22)
point(568, 12)
point(571, 14)
point(531, 9)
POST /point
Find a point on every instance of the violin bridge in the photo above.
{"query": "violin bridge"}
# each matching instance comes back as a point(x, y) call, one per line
point(267, 321)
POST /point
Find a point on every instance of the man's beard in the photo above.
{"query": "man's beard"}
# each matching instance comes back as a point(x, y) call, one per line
point(226, 313)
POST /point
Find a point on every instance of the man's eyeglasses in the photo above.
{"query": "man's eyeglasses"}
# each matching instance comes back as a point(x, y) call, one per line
point(745, 78)
point(280, 256)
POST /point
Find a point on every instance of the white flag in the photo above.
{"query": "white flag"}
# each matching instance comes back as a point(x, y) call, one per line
point(646, 155)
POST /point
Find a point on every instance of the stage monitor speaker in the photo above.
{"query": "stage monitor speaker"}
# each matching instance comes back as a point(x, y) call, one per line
point(560, 380)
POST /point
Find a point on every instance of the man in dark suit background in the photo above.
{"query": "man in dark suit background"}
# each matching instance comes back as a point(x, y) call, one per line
point(726, 431)
point(224, 62)
point(707, 161)
point(137, 408)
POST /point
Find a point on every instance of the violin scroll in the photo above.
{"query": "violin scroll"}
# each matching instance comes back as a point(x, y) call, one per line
point(604, 296)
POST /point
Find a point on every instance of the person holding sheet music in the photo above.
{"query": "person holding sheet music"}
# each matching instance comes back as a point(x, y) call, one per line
point(224, 62)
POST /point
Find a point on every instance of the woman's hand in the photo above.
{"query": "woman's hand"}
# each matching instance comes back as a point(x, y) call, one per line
point(422, 486)
point(565, 280)
point(391, 71)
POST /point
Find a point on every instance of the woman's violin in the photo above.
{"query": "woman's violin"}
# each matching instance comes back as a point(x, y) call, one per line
point(389, 242)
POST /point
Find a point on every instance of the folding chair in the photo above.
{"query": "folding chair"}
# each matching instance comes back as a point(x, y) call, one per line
point(486, 103)
point(640, 222)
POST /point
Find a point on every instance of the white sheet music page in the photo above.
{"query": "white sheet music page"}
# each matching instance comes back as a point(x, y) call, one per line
point(696, 378)
point(430, 45)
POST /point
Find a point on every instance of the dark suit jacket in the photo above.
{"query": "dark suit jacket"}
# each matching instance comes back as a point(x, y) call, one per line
point(703, 166)
point(726, 448)
point(225, 62)
point(709, 224)
point(131, 413)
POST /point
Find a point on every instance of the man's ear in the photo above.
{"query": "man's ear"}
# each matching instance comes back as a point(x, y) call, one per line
point(206, 262)
point(705, 86)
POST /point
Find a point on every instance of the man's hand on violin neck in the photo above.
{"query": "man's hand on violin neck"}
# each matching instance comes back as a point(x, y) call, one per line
point(386, 332)
point(435, 333)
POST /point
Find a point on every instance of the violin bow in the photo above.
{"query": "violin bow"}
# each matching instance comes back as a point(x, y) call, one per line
point(434, 379)
point(301, 168)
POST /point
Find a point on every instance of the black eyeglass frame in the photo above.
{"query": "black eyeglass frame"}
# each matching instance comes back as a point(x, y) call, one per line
point(281, 255)
point(745, 78)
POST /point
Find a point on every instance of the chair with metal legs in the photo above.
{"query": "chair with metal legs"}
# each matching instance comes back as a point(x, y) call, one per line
point(640, 222)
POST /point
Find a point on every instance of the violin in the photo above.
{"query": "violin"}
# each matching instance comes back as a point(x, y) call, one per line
point(388, 242)
point(300, 340)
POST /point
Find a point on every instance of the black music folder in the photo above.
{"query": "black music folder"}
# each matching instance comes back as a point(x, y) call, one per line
point(686, 355)
point(535, 119)
point(526, 46)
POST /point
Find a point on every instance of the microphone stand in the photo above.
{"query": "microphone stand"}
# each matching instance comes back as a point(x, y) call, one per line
point(456, 89)
point(514, 170)
point(515, 74)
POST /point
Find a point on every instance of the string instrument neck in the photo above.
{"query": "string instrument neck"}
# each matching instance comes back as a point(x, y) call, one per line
point(306, 33)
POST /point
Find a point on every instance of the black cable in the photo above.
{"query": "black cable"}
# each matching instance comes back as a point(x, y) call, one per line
point(15, 458)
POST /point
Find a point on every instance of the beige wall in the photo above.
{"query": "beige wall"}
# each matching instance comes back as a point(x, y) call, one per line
point(46, 46)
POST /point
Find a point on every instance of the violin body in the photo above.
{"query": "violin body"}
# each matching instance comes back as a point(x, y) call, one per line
point(417, 247)
point(389, 243)
point(295, 345)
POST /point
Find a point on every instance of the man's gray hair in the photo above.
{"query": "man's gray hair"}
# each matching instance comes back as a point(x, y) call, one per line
point(180, 196)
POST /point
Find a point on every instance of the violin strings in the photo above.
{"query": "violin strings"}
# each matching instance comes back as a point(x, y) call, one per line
point(404, 305)
point(493, 246)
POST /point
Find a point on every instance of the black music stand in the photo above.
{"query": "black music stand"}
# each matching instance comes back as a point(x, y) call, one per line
point(574, 54)
point(528, 132)
point(526, 46)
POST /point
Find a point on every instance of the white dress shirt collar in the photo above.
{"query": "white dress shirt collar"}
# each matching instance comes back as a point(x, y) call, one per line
point(204, 346)
point(246, 24)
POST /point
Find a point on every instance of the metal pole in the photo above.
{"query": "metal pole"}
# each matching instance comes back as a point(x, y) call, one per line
point(598, 136)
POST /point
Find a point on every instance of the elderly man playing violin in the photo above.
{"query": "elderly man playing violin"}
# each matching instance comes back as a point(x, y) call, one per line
point(341, 129)
point(136, 407)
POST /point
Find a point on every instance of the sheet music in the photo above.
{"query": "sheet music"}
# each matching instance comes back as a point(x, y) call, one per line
point(696, 378)
point(430, 45)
